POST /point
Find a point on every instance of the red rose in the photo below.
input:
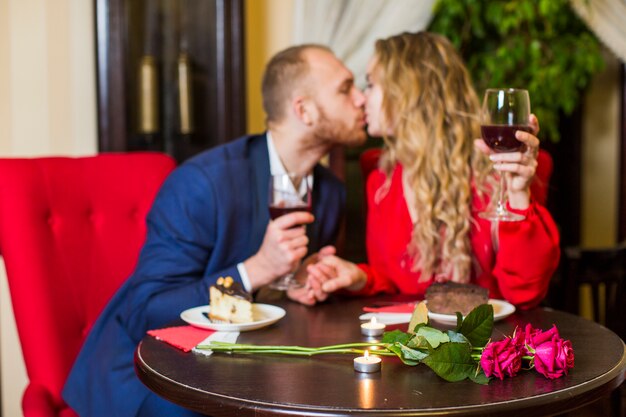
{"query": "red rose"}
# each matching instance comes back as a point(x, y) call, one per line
point(536, 337)
point(519, 339)
point(553, 356)
point(501, 359)
point(566, 355)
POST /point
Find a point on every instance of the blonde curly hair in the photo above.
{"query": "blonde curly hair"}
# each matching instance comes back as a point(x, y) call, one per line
point(433, 111)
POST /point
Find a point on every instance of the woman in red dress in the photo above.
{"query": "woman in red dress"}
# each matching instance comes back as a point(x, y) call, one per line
point(433, 179)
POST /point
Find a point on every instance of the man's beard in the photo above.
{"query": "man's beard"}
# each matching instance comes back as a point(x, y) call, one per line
point(335, 132)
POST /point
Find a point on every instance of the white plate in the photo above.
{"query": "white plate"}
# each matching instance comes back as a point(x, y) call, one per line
point(263, 315)
point(501, 309)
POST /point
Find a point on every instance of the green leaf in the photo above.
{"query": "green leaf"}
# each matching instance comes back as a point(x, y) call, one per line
point(456, 337)
point(452, 362)
point(398, 349)
point(480, 377)
point(396, 336)
point(412, 354)
point(478, 325)
point(419, 342)
point(434, 337)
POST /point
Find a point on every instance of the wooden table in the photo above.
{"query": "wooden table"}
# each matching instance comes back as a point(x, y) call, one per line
point(327, 385)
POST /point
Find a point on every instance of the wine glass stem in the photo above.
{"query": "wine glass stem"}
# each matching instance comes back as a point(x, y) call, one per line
point(502, 196)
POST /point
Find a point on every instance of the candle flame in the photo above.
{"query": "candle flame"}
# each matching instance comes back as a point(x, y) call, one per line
point(373, 320)
point(367, 355)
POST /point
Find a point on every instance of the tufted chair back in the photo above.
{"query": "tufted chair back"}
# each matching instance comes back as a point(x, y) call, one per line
point(70, 234)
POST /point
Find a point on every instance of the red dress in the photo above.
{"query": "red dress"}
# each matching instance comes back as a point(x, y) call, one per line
point(519, 272)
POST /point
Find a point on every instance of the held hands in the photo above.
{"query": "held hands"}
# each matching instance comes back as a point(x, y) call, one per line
point(521, 166)
point(311, 292)
point(333, 273)
point(328, 273)
point(284, 245)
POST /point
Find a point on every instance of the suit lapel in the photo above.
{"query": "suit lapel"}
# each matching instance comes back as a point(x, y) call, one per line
point(259, 172)
point(312, 230)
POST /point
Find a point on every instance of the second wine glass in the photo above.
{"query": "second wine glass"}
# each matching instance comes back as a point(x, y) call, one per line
point(288, 193)
point(504, 111)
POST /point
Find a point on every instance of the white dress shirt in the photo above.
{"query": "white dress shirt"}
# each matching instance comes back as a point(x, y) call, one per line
point(276, 168)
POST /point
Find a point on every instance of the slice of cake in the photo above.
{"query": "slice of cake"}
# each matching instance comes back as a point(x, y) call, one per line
point(450, 297)
point(229, 301)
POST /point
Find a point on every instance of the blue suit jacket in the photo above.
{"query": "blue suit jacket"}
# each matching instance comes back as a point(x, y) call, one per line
point(210, 214)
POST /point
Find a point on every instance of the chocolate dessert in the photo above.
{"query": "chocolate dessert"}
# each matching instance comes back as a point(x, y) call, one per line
point(450, 297)
point(230, 302)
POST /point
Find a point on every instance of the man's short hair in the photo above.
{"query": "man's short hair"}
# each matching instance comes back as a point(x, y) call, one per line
point(282, 75)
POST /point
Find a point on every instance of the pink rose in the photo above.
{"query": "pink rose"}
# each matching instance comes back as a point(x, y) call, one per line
point(535, 337)
point(501, 359)
point(519, 339)
point(553, 356)
point(566, 355)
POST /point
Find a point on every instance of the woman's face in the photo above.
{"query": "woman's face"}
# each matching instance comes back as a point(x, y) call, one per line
point(374, 100)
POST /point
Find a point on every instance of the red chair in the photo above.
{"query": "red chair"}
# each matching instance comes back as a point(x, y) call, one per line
point(70, 234)
point(539, 188)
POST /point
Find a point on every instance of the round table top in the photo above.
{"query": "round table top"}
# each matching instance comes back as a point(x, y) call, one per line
point(327, 385)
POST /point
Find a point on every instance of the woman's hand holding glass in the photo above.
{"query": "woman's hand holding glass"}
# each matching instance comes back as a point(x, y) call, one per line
point(505, 123)
point(521, 166)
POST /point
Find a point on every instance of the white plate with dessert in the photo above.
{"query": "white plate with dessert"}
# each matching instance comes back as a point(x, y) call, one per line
point(262, 315)
point(501, 309)
point(231, 309)
point(444, 299)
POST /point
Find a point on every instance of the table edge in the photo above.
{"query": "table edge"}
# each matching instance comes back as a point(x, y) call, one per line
point(600, 385)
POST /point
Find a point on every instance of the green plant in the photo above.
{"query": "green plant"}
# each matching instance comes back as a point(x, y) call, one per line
point(540, 45)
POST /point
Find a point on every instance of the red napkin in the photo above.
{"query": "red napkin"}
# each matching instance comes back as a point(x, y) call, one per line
point(395, 308)
point(182, 337)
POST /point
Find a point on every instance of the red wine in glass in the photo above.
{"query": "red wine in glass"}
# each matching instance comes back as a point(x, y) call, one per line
point(504, 111)
point(288, 193)
point(277, 211)
point(501, 138)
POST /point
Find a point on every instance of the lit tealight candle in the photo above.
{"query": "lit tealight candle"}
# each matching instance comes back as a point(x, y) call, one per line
point(372, 328)
point(367, 363)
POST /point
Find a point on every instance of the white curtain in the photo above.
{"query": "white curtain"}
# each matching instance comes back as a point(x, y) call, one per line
point(607, 19)
point(350, 27)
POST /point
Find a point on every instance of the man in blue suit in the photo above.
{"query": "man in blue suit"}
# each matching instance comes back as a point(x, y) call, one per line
point(211, 219)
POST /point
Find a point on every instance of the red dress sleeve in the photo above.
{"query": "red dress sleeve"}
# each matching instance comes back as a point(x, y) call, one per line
point(519, 271)
point(526, 259)
point(388, 234)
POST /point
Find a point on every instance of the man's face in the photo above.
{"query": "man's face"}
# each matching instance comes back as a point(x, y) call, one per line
point(341, 119)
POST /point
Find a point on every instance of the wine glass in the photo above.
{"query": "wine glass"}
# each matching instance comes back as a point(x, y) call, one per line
point(288, 193)
point(504, 111)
